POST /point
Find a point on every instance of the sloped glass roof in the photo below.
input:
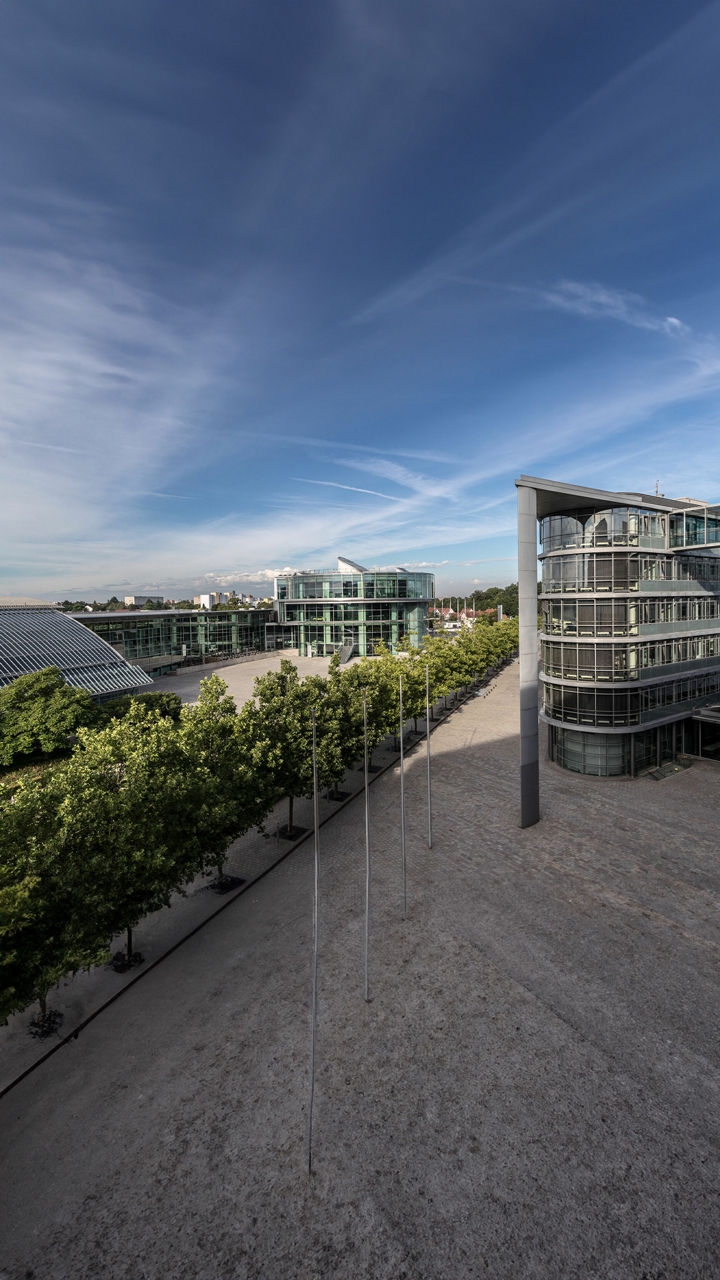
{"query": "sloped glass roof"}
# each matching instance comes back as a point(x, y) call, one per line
point(33, 638)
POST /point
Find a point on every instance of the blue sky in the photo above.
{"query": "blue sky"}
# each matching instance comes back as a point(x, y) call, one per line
point(285, 280)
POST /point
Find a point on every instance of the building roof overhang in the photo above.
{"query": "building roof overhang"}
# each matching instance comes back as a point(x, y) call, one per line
point(554, 497)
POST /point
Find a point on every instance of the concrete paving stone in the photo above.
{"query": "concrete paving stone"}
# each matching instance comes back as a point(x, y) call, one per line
point(532, 1091)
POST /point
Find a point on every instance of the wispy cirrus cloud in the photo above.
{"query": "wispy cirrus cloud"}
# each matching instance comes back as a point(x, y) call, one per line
point(582, 176)
point(351, 488)
point(599, 302)
point(331, 446)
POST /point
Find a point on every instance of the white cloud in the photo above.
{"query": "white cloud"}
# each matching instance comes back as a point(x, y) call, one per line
point(597, 301)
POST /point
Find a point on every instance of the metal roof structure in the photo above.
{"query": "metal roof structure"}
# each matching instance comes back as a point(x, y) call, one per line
point(33, 635)
point(554, 496)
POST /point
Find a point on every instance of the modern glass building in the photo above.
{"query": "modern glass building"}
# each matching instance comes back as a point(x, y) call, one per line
point(349, 610)
point(630, 632)
point(161, 640)
point(34, 635)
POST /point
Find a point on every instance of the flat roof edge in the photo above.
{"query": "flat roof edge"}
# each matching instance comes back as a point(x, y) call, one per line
point(558, 488)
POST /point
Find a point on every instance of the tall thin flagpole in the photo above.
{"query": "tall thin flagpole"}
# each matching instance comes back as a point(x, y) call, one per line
point(367, 853)
point(427, 728)
point(402, 806)
point(313, 1015)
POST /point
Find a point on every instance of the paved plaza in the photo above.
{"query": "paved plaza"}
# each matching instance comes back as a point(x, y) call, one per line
point(238, 676)
point(532, 1091)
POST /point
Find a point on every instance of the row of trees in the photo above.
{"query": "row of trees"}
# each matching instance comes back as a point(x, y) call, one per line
point(113, 605)
point(153, 797)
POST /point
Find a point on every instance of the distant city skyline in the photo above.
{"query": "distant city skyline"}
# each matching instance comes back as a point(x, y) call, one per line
point(263, 589)
point(282, 282)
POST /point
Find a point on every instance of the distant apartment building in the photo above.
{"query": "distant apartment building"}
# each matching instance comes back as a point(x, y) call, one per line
point(136, 602)
point(352, 609)
point(211, 599)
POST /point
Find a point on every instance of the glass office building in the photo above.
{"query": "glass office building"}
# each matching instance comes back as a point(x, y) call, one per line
point(630, 632)
point(350, 610)
point(161, 640)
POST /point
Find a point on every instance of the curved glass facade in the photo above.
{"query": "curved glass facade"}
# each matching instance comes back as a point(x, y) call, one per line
point(630, 639)
point(601, 662)
point(598, 572)
point(612, 527)
point(603, 755)
point(656, 615)
point(329, 584)
point(334, 609)
point(589, 705)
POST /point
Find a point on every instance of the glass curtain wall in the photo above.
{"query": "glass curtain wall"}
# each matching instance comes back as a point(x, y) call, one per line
point(163, 640)
point(630, 631)
point(332, 609)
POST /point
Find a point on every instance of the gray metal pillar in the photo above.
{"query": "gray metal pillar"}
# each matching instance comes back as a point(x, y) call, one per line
point(527, 618)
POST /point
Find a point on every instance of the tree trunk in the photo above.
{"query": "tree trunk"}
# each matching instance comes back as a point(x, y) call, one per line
point(290, 815)
point(219, 866)
point(128, 954)
point(42, 998)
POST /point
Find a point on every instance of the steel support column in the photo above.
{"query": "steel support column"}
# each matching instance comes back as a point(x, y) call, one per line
point(528, 608)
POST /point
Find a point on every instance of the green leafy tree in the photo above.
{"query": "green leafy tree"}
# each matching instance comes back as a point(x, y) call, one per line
point(279, 723)
point(339, 723)
point(126, 802)
point(168, 704)
point(46, 932)
point(370, 675)
point(234, 786)
point(39, 713)
point(438, 654)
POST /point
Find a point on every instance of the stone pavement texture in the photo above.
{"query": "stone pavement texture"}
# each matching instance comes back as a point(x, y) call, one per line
point(532, 1091)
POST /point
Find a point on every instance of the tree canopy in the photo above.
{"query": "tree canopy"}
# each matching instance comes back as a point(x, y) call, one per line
point(39, 713)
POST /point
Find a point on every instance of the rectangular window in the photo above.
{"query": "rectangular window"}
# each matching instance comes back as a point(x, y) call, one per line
point(569, 573)
point(603, 573)
point(604, 662)
point(569, 617)
point(586, 618)
point(604, 620)
point(586, 661)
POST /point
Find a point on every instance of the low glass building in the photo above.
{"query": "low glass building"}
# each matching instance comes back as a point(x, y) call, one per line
point(349, 610)
point(630, 633)
point(161, 640)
